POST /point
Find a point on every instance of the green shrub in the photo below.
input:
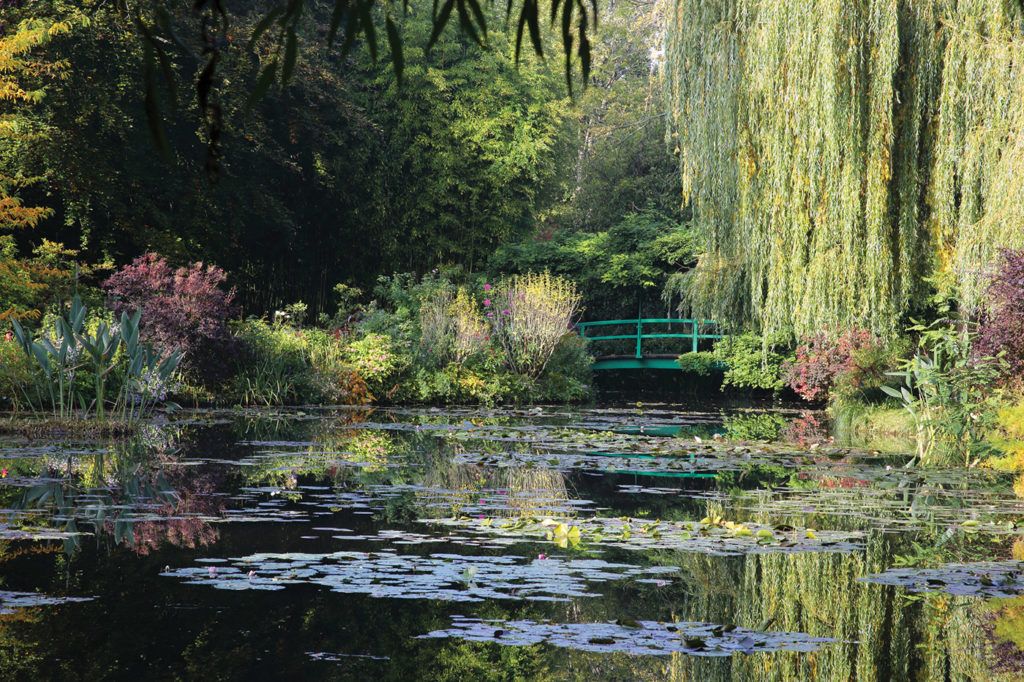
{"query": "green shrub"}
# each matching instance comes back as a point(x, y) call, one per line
point(751, 361)
point(567, 376)
point(378, 359)
point(701, 363)
point(951, 395)
point(336, 380)
point(530, 314)
point(15, 375)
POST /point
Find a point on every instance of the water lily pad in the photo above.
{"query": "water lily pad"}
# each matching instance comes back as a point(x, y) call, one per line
point(980, 579)
point(647, 638)
point(709, 536)
point(12, 601)
point(448, 577)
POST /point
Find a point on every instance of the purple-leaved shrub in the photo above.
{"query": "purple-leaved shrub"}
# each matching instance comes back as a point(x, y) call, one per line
point(1002, 327)
point(183, 309)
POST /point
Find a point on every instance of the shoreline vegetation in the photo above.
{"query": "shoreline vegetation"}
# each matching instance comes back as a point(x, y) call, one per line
point(457, 340)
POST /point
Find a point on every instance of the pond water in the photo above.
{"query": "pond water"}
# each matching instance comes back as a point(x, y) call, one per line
point(461, 544)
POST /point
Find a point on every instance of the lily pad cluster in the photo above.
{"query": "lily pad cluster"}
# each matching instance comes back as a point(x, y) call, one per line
point(638, 638)
point(979, 579)
point(12, 601)
point(713, 536)
point(447, 577)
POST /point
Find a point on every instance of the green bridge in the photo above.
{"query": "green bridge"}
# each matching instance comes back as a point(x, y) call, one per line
point(690, 330)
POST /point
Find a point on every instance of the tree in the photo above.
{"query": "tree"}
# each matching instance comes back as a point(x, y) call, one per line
point(23, 79)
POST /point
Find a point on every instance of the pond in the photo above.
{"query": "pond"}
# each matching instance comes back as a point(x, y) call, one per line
point(548, 543)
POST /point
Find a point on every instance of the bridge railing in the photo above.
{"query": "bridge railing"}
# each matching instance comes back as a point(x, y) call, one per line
point(693, 331)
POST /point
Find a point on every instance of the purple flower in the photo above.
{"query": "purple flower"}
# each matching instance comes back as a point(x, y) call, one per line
point(506, 311)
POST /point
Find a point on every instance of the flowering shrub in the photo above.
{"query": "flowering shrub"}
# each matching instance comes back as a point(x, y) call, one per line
point(1002, 328)
point(470, 332)
point(183, 309)
point(530, 314)
point(822, 360)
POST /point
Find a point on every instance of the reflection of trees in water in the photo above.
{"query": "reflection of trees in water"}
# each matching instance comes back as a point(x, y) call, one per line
point(511, 491)
point(135, 493)
point(883, 636)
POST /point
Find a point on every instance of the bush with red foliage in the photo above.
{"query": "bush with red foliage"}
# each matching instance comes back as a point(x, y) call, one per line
point(1002, 327)
point(822, 359)
point(183, 309)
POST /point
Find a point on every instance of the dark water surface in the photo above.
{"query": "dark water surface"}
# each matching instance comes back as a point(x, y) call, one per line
point(472, 544)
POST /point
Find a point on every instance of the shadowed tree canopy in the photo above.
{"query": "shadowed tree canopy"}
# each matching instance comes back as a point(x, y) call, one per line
point(277, 31)
point(337, 173)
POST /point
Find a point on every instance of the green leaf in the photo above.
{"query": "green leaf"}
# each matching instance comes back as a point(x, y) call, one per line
point(440, 21)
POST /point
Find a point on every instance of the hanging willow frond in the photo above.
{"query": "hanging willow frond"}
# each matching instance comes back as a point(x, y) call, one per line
point(836, 152)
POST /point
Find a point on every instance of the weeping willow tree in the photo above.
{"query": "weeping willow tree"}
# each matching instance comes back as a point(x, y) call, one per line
point(838, 153)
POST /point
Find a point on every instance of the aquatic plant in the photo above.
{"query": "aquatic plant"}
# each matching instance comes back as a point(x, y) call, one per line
point(145, 374)
point(440, 576)
point(984, 578)
point(637, 638)
point(950, 394)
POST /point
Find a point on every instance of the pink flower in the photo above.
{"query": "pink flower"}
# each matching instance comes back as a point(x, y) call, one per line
point(542, 557)
point(487, 302)
point(490, 314)
point(487, 287)
point(3, 472)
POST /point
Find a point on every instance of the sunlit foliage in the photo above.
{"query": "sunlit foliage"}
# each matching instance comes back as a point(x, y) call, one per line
point(836, 153)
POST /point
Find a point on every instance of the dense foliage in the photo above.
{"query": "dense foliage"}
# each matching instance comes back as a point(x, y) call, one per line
point(1002, 328)
point(833, 184)
point(620, 270)
point(184, 310)
point(337, 177)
